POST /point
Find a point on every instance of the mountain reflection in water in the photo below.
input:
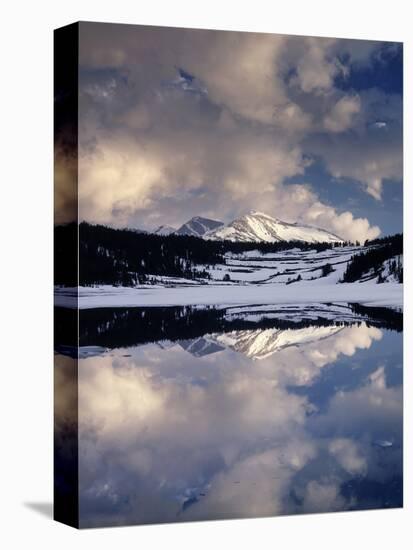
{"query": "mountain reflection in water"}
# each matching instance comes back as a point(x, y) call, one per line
point(193, 414)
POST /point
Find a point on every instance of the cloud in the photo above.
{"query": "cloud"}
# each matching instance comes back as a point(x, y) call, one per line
point(347, 454)
point(245, 490)
point(157, 147)
point(380, 124)
point(133, 181)
point(374, 407)
point(157, 451)
point(322, 496)
point(316, 67)
point(344, 224)
point(310, 358)
point(340, 117)
point(368, 153)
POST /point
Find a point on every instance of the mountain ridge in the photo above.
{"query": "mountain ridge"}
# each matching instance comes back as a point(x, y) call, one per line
point(164, 230)
point(255, 226)
point(261, 227)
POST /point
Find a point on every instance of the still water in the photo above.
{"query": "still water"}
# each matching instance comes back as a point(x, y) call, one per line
point(197, 414)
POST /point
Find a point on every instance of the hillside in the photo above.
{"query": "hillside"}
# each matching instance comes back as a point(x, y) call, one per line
point(127, 258)
point(381, 262)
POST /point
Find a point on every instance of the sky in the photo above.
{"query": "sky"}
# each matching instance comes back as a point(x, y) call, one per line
point(175, 123)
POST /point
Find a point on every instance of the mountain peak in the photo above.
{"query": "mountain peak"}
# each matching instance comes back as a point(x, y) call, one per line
point(164, 230)
point(257, 226)
point(259, 213)
point(198, 226)
point(254, 226)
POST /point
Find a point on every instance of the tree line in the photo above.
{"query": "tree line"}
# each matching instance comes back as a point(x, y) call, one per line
point(371, 261)
point(127, 257)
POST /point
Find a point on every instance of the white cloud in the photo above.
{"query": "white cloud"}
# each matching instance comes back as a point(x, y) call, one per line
point(365, 154)
point(380, 124)
point(344, 224)
point(154, 151)
point(316, 67)
point(310, 358)
point(322, 496)
point(341, 115)
point(348, 455)
point(219, 174)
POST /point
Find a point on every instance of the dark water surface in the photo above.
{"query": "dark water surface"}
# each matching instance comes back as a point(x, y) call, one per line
point(196, 413)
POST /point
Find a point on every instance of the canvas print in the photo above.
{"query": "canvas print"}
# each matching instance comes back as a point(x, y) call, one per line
point(228, 275)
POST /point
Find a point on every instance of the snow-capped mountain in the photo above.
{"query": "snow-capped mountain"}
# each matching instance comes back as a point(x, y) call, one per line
point(258, 344)
point(254, 226)
point(164, 230)
point(260, 227)
point(198, 226)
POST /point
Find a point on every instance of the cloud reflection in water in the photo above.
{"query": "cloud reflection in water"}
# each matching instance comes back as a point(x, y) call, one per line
point(166, 435)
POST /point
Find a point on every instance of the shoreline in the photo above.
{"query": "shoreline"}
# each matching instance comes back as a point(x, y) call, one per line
point(379, 295)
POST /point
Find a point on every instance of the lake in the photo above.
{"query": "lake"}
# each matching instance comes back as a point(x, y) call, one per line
point(198, 413)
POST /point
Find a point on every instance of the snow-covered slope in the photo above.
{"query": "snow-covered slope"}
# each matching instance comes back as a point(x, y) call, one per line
point(260, 227)
point(198, 226)
point(259, 344)
point(390, 271)
point(254, 226)
point(164, 230)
